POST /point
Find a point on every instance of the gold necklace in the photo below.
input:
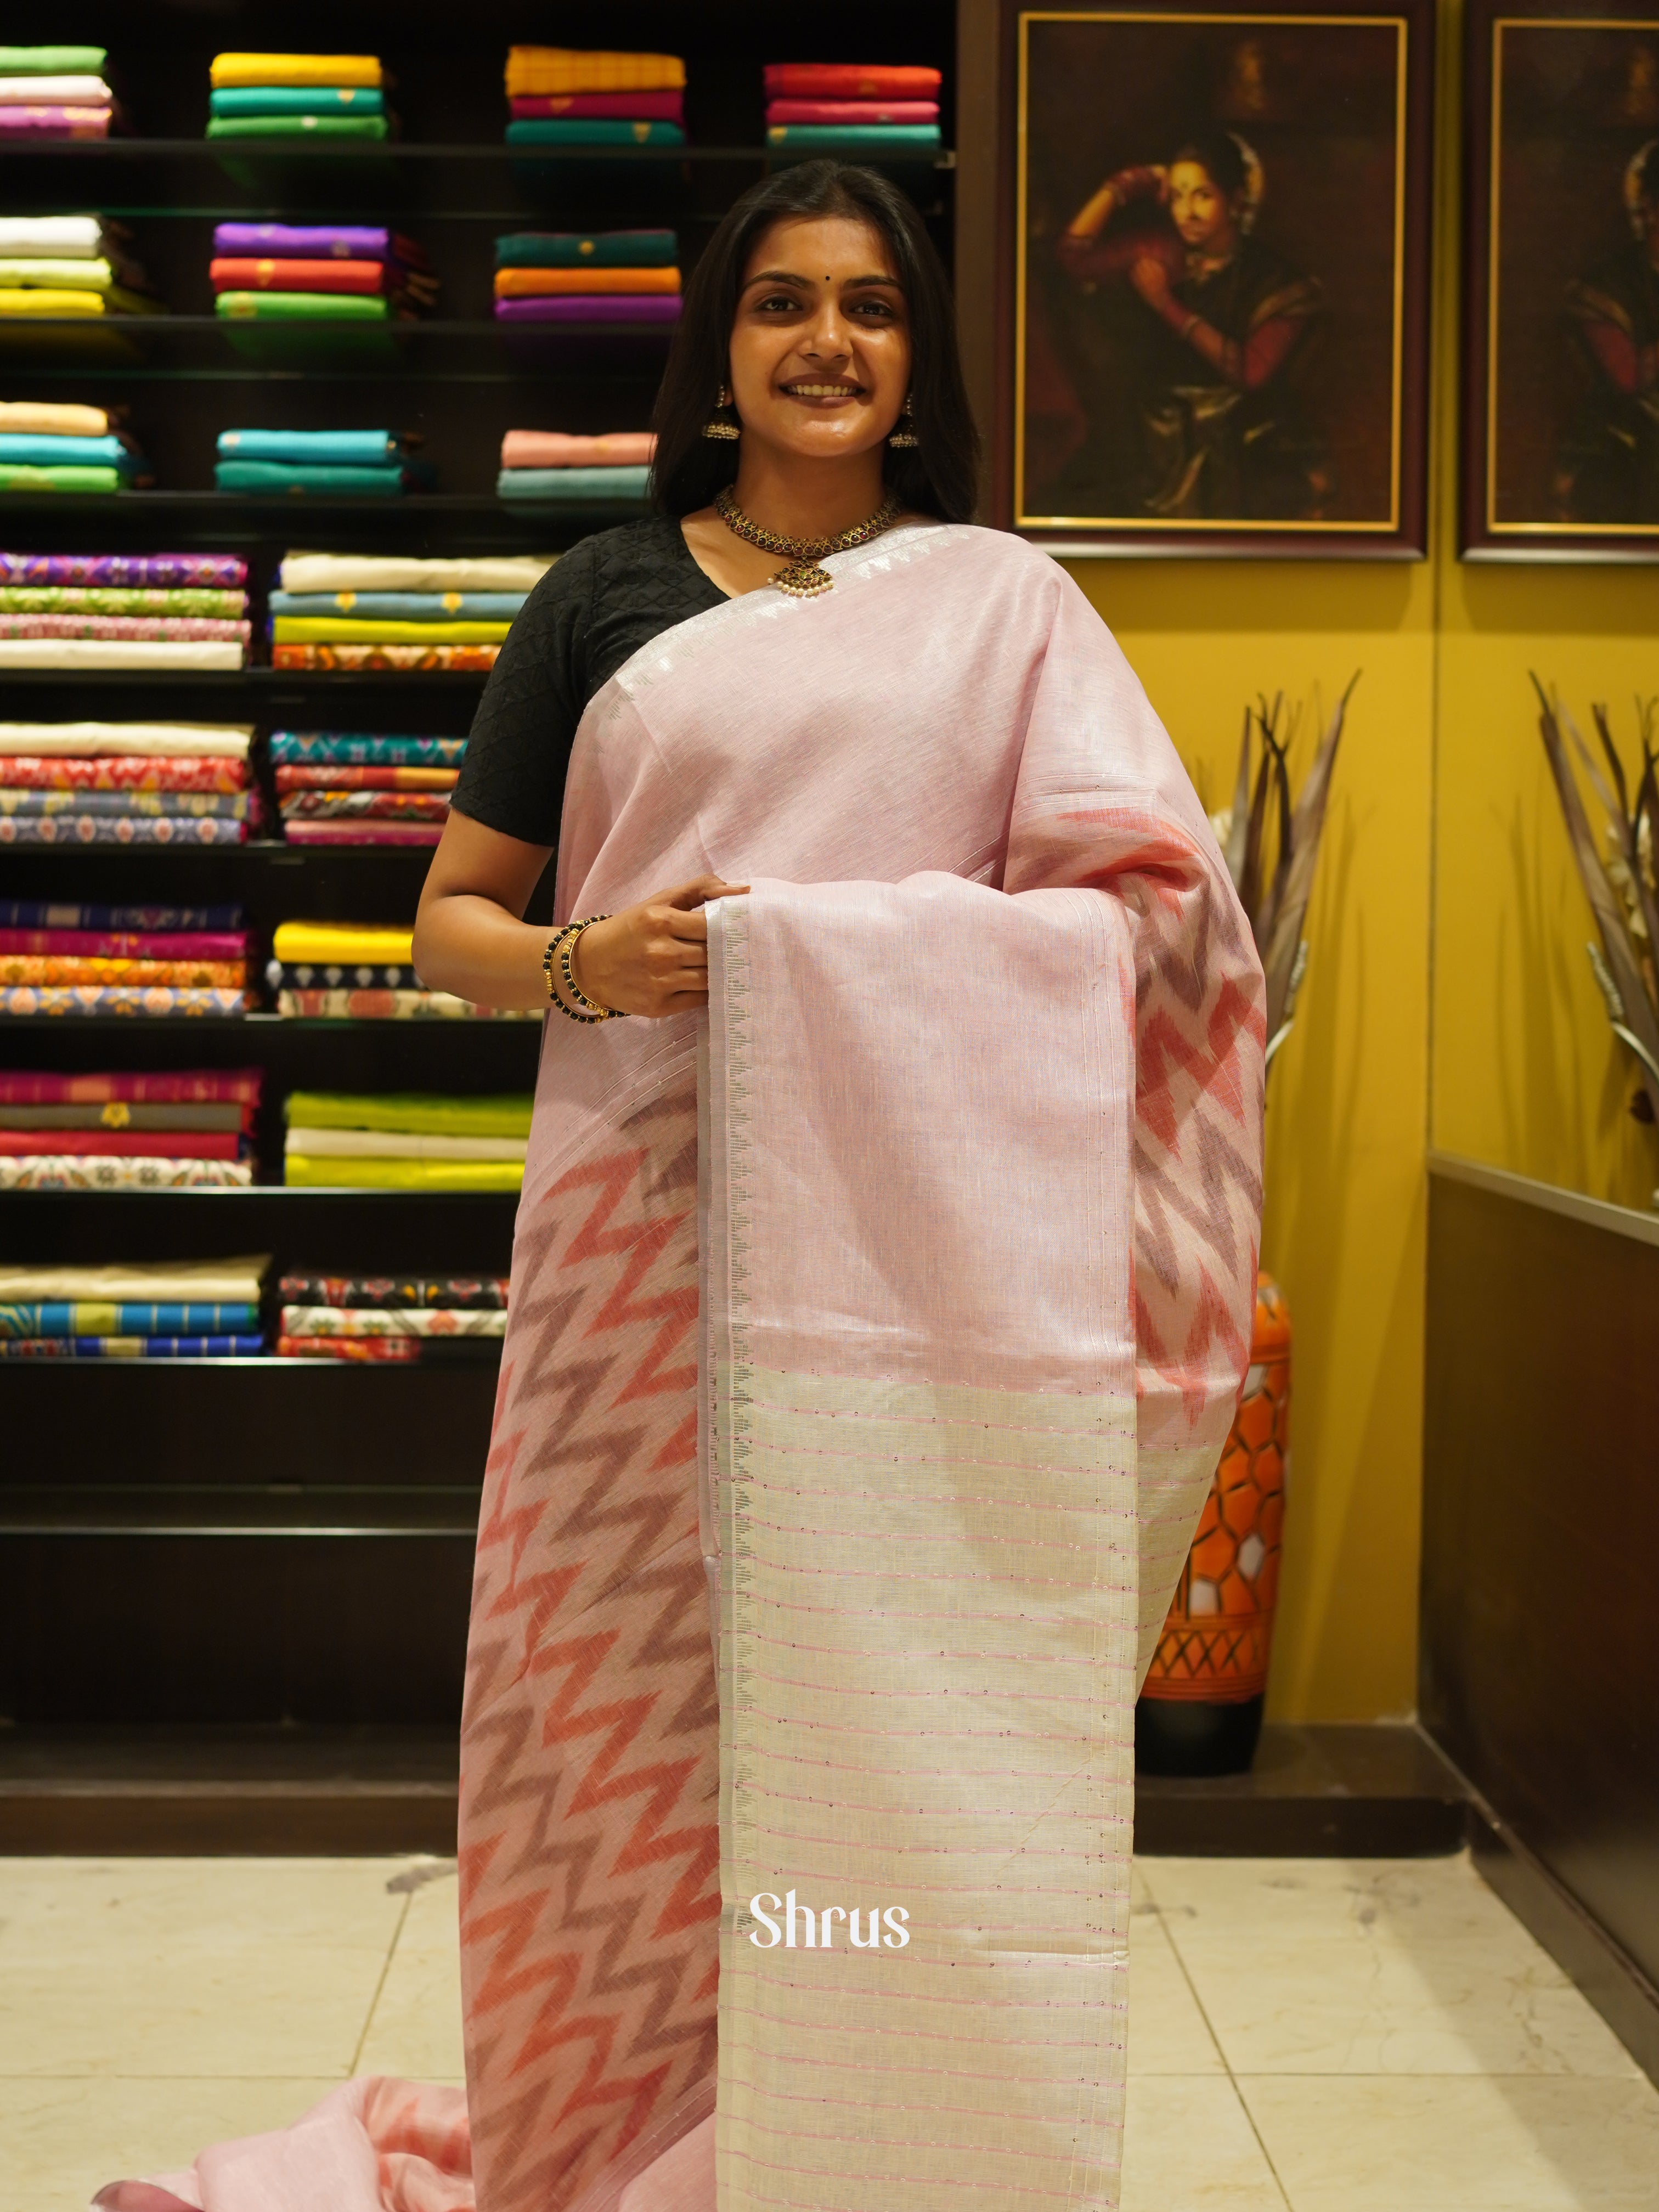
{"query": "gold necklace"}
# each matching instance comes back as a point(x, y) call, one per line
point(803, 579)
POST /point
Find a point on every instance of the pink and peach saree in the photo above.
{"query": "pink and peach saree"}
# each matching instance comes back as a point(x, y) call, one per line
point(872, 1342)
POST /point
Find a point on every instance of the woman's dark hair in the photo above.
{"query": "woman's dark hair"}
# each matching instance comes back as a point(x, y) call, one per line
point(941, 475)
point(1218, 153)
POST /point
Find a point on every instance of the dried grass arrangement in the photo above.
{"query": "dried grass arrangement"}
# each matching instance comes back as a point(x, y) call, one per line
point(1264, 823)
point(1617, 872)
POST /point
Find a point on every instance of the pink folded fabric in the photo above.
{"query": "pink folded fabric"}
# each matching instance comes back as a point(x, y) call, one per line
point(598, 106)
point(562, 449)
point(55, 122)
point(362, 833)
point(150, 627)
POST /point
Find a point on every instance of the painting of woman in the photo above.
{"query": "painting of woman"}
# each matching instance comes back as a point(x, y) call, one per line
point(1608, 469)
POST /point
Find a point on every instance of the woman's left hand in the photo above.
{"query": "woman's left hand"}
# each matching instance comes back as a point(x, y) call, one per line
point(652, 958)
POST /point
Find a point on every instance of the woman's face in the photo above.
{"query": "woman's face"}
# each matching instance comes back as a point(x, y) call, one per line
point(1200, 210)
point(821, 344)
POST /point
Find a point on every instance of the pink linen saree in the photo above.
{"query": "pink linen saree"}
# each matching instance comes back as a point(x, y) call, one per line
point(870, 1349)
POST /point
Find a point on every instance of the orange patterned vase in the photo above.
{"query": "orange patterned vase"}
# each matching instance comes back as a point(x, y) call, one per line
point(1201, 1708)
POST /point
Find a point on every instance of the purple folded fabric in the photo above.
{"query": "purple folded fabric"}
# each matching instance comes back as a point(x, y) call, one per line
point(167, 570)
point(591, 307)
point(312, 242)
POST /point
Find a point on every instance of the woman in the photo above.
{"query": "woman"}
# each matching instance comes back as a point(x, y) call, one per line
point(1222, 321)
point(877, 1327)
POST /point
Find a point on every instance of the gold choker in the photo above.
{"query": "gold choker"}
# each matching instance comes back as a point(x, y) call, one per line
point(803, 579)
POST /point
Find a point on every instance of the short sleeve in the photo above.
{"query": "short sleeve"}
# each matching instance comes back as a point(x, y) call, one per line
point(513, 772)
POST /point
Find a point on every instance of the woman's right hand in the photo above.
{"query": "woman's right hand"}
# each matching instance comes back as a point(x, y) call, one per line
point(652, 958)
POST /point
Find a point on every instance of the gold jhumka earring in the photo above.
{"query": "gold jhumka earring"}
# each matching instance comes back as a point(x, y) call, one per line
point(904, 436)
point(715, 428)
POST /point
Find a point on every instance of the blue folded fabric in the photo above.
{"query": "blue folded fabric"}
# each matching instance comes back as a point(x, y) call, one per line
point(298, 477)
point(297, 99)
point(587, 130)
point(348, 447)
point(402, 606)
point(69, 1317)
point(572, 484)
point(29, 450)
point(348, 748)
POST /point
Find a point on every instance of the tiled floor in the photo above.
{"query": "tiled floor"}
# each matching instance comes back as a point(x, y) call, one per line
point(1306, 2035)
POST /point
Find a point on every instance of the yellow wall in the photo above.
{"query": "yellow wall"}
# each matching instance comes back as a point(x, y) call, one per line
point(1448, 999)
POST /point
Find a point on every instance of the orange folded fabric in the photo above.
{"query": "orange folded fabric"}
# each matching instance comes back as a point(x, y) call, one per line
point(534, 283)
point(561, 449)
point(565, 68)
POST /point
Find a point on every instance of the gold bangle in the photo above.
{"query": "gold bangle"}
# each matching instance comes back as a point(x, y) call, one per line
point(562, 948)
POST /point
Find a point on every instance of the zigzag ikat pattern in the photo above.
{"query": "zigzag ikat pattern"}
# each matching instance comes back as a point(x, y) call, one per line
point(590, 1837)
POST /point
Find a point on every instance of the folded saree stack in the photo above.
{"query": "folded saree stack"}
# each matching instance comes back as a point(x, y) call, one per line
point(159, 1310)
point(553, 464)
point(71, 265)
point(852, 112)
point(51, 445)
point(406, 1141)
point(57, 958)
point(352, 971)
point(562, 99)
point(594, 276)
point(297, 96)
point(331, 464)
point(369, 610)
point(353, 787)
point(188, 1130)
point(124, 610)
point(319, 272)
point(54, 92)
point(401, 1318)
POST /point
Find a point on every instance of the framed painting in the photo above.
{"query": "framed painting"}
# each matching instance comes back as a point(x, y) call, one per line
point(1561, 314)
point(1213, 269)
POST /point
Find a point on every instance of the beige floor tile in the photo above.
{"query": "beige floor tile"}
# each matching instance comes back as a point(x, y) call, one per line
point(192, 1968)
point(1167, 2030)
point(1189, 2147)
point(60, 2141)
point(1526, 2144)
point(1373, 1967)
point(415, 2030)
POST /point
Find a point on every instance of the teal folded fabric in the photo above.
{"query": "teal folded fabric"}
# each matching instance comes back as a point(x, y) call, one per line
point(296, 126)
point(891, 142)
point(591, 249)
point(589, 131)
point(18, 475)
point(401, 607)
point(300, 476)
point(572, 484)
point(296, 100)
point(40, 450)
point(358, 448)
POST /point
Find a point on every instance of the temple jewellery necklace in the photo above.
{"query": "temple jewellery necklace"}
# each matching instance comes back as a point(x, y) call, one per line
point(803, 579)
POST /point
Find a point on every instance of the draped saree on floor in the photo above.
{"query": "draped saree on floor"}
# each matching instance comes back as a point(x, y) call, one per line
point(857, 1405)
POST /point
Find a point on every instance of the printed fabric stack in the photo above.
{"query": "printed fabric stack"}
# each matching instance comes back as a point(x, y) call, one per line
point(848, 112)
point(158, 1309)
point(330, 464)
point(402, 1318)
point(69, 265)
point(369, 610)
point(54, 92)
point(192, 1130)
point(125, 783)
point(51, 445)
point(405, 1140)
point(319, 272)
point(124, 610)
point(562, 100)
point(553, 464)
point(352, 971)
point(297, 96)
point(347, 787)
point(598, 276)
point(157, 961)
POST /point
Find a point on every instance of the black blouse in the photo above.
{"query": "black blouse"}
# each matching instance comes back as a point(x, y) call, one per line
point(592, 612)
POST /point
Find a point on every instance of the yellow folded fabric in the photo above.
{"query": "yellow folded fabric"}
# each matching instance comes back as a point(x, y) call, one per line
point(564, 69)
point(70, 276)
point(51, 419)
point(295, 941)
point(538, 284)
point(339, 630)
point(296, 69)
point(401, 1175)
point(48, 300)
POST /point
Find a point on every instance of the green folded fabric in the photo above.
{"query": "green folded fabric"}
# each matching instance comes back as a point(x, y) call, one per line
point(891, 142)
point(302, 306)
point(298, 126)
point(304, 1174)
point(562, 130)
point(300, 476)
point(297, 99)
point(419, 1113)
point(120, 599)
point(572, 484)
point(593, 249)
point(53, 61)
point(18, 475)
